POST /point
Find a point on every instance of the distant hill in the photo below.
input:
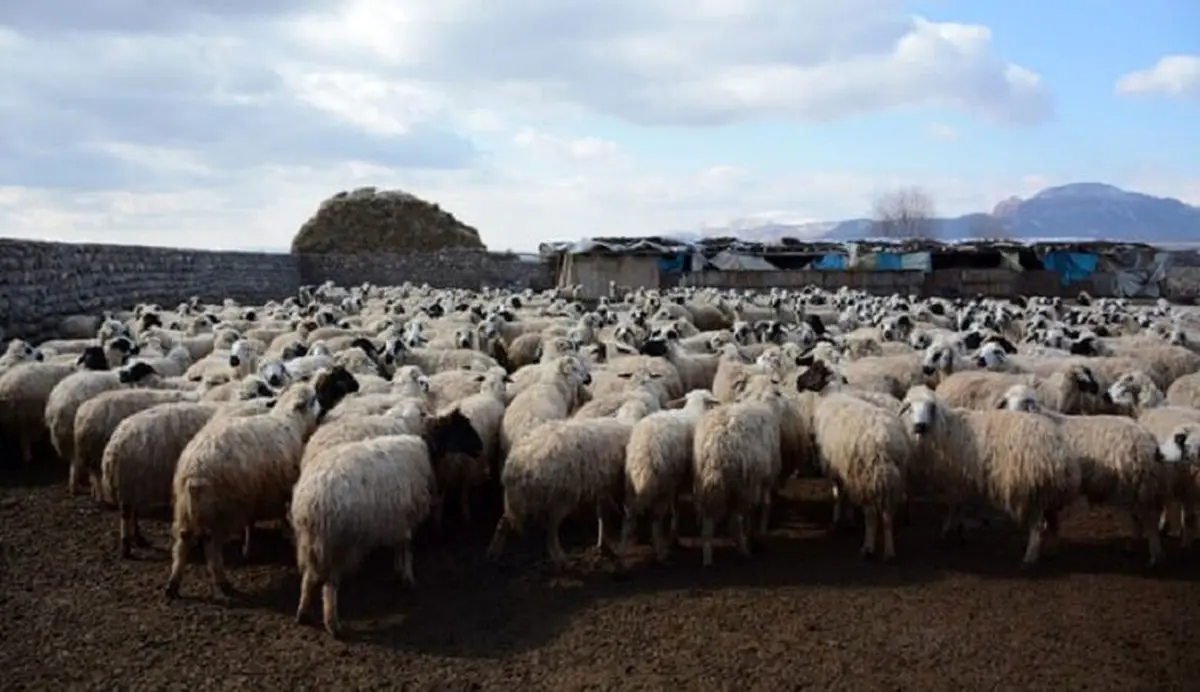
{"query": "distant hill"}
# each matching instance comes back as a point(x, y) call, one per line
point(1077, 211)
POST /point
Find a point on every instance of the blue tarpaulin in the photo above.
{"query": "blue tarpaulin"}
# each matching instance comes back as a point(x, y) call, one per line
point(830, 262)
point(671, 263)
point(1071, 266)
point(916, 261)
point(888, 262)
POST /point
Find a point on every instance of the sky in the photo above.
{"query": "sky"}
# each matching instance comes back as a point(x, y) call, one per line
point(223, 123)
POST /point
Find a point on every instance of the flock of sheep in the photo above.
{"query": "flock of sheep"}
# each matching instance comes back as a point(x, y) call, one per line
point(354, 416)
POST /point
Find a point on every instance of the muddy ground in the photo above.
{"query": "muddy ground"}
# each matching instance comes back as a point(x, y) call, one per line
point(805, 614)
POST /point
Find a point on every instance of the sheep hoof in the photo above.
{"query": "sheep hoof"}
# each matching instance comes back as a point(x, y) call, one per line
point(172, 591)
point(301, 617)
point(866, 555)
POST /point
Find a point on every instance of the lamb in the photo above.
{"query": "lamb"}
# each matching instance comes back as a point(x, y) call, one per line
point(737, 461)
point(98, 418)
point(1119, 460)
point(239, 470)
point(139, 461)
point(865, 451)
point(658, 466)
point(364, 495)
point(1015, 460)
point(553, 397)
point(567, 464)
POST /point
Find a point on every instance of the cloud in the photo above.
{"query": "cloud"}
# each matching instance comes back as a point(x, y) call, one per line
point(219, 122)
point(1173, 75)
point(941, 132)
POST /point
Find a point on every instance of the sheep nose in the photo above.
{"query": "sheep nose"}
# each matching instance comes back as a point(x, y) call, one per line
point(928, 369)
point(920, 428)
point(981, 362)
point(235, 361)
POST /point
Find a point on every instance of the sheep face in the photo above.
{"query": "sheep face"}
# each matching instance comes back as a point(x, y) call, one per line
point(938, 359)
point(451, 433)
point(1019, 397)
point(1130, 390)
point(991, 355)
point(92, 358)
point(241, 351)
point(332, 386)
point(138, 372)
point(1182, 445)
point(1084, 379)
point(743, 333)
point(275, 374)
point(920, 411)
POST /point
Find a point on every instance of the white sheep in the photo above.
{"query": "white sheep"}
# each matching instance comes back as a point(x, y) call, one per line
point(736, 464)
point(1017, 461)
point(1119, 460)
point(560, 466)
point(367, 494)
point(239, 470)
point(555, 395)
point(658, 466)
point(864, 450)
point(139, 461)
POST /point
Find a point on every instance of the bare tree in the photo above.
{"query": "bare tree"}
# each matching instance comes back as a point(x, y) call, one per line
point(988, 227)
point(905, 213)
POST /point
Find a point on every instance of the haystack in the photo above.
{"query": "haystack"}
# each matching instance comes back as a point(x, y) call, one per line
point(370, 220)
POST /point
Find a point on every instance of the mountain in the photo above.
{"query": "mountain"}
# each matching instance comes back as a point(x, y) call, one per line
point(1091, 211)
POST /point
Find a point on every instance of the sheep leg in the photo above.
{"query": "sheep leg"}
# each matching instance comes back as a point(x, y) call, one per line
point(553, 543)
point(215, 558)
point(1033, 549)
point(1143, 518)
point(836, 520)
point(27, 451)
point(404, 564)
point(309, 585)
point(886, 517)
point(658, 539)
point(1187, 529)
point(182, 543)
point(764, 519)
point(138, 539)
point(708, 527)
point(602, 531)
point(329, 599)
point(72, 479)
point(1051, 532)
point(870, 528)
point(628, 526)
point(1164, 520)
point(247, 534)
point(740, 537)
point(129, 533)
point(675, 524)
point(499, 537)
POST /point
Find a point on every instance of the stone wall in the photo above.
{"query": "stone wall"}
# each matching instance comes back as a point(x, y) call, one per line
point(40, 282)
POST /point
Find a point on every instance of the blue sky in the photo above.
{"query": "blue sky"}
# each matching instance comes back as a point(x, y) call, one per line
point(550, 119)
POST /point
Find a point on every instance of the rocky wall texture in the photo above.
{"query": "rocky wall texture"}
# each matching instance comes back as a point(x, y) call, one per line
point(42, 282)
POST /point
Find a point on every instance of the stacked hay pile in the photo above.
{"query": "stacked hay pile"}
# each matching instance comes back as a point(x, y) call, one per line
point(370, 220)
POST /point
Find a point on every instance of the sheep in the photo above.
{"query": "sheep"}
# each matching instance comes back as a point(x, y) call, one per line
point(239, 470)
point(645, 387)
point(864, 450)
point(74, 391)
point(1018, 461)
point(99, 416)
point(1181, 451)
point(462, 473)
point(566, 464)
point(25, 390)
point(1119, 460)
point(554, 396)
point(139, 461)
point(362, 495)
point(696, 371)
point(1072, 389)
point(17, 352)
point(405, 418)
point(1185, 391)
point(736, 463)
point(658, 466)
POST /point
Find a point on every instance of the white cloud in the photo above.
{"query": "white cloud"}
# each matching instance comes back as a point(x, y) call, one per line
point(1172, 75)
point(221, 123)
point(941, 132)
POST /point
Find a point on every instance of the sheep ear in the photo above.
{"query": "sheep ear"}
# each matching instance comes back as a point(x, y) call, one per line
point(677, 403)
point(999, 403)
point(479, 378)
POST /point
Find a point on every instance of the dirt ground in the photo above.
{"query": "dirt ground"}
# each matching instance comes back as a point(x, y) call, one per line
point(805, 614)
